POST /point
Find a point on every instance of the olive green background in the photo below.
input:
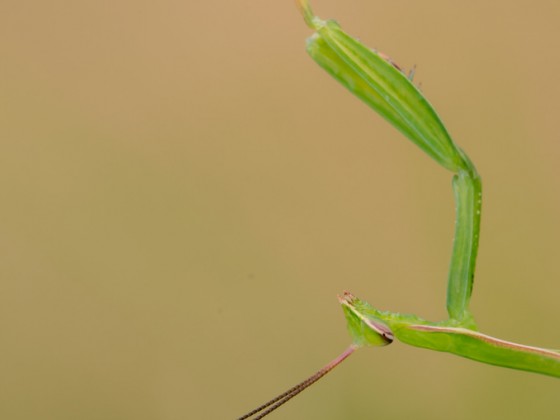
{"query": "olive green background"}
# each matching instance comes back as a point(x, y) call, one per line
point(184, 192)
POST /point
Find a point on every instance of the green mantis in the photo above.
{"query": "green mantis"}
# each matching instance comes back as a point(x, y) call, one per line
point(382, 85)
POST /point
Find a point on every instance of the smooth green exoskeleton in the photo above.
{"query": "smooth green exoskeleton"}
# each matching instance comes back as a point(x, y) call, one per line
point(380, 83)
point(443, 336)
point(467, 189)
point(384, 87)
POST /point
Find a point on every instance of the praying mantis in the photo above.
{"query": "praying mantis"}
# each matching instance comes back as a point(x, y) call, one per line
point(375, 79)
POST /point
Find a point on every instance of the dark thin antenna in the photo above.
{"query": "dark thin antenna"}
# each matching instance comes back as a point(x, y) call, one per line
point(283, 398)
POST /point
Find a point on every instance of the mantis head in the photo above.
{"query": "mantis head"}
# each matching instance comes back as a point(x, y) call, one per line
point(365, 329)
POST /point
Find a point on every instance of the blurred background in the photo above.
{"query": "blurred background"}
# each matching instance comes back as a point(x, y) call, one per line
point(184, 192)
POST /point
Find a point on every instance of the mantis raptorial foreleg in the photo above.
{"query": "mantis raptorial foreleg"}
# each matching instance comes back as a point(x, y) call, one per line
point(380, 83)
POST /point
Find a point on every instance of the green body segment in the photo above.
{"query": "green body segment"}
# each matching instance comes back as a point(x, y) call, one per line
point(384, 88)
point(375, 80)
point(446, 337)
point(481, 347)
point(467, 188)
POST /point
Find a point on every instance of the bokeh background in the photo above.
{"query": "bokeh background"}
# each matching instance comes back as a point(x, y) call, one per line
point(184, 192)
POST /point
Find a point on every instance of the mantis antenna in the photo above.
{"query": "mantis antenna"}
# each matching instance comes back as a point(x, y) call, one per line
point(283, 398)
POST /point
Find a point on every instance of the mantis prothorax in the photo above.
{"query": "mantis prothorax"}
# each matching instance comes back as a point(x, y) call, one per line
point(376, 80)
